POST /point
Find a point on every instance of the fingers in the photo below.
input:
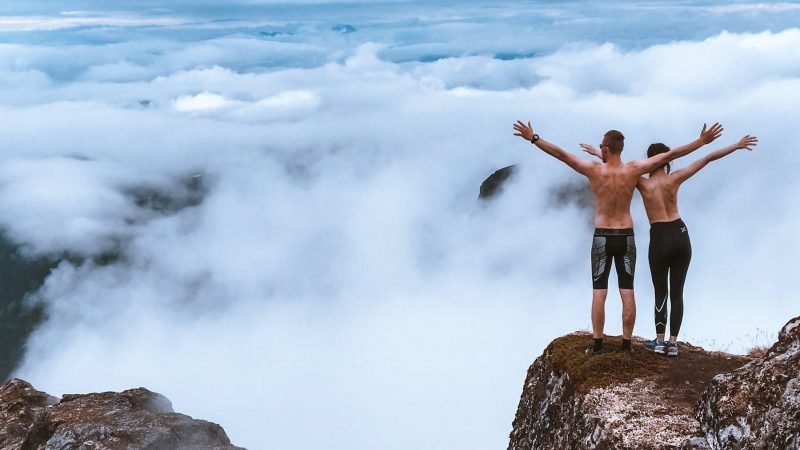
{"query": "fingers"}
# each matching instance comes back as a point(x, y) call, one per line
point(752, 141)
point(520, 126)
point(747, 142)
point(522, 130)
point(523, 125)
point(712, 133)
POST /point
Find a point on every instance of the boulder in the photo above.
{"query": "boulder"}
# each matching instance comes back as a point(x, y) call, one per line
point(132, 419)
point(492, 186)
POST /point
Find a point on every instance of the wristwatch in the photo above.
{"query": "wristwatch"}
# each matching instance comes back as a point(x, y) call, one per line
point(534, 138)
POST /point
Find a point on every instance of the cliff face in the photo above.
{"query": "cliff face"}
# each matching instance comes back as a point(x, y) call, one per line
point(700, 400)
point(757, 405)
point(132, 419)
point(616, 400)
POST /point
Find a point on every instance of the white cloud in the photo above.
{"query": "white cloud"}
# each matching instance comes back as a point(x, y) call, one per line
point(33, 23)
point(776, 7)
point(203, 101)
point(120, 71)
point(290, 99)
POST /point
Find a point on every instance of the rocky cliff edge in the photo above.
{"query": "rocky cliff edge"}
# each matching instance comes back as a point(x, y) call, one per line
point(699, 400)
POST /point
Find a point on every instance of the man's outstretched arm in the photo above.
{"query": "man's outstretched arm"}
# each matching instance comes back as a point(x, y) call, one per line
point(746, 142)
point(581, 166)
point(707, 135)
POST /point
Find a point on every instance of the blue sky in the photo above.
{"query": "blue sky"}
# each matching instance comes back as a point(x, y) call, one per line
point(338, 285)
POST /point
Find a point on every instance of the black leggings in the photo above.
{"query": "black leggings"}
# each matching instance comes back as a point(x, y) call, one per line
point(670, 254)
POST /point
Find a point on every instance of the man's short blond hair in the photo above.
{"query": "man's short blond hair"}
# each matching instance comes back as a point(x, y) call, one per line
point(615, 141)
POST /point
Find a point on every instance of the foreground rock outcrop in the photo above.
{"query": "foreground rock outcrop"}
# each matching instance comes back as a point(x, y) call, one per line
point(132, 419)
point(700, 400)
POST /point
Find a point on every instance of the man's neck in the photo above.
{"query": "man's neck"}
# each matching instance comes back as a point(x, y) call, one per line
point(614, 159)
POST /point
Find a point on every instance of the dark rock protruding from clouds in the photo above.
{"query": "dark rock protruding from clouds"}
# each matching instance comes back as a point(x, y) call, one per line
point(186, 192)
point(20, 276)
point(758, 405)
point(493, 186)
point(615, 400)
point(132, 419)
point(23, 274)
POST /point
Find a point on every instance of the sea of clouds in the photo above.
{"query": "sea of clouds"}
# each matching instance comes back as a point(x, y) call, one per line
point(339, 285)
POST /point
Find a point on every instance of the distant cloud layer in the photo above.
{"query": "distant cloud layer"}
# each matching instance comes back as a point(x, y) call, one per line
point(32, 23)
point(276, 220)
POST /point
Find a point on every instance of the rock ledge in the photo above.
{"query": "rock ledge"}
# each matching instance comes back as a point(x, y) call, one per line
point(614, 400)
point(132, 419)
point(699, 400)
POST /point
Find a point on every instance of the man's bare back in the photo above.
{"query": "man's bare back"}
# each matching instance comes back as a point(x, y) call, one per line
point(612, 186)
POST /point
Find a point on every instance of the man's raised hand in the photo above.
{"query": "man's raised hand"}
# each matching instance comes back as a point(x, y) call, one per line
point(747, 142)
point(591, 150)
point(709, 135)
point(524, 131)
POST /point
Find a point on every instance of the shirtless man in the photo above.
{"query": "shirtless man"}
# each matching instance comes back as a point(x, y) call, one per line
point(612, 183)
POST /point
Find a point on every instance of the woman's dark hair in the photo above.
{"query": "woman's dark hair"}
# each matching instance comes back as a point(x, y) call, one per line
point(657, 149)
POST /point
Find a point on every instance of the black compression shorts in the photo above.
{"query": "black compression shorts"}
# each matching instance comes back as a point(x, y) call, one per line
point(615, 244)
